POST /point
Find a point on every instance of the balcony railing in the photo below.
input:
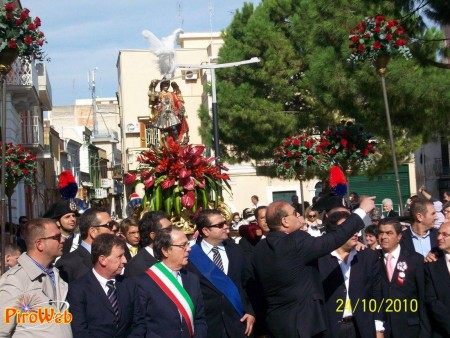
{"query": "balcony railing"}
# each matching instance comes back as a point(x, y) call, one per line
point(32, 131)
point(23, 73)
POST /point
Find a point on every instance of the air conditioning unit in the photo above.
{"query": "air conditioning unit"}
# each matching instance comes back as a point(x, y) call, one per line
point(132, 128)
point(191, 75)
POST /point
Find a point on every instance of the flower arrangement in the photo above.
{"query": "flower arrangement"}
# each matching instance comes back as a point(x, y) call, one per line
point(298, 153)
point(19, 164)
point(376, 36)
point(20, 32)
point(177, 176)
point(348, 145)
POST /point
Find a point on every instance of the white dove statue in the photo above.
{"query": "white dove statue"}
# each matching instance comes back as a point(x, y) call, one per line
point(164, 50)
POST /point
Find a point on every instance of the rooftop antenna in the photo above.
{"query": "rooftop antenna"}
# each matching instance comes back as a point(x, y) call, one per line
point(180, 13)
point(211, 14)
point(91, 83)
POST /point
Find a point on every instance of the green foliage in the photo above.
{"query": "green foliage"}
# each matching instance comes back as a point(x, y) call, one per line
point(205, 129)
point(305, 81)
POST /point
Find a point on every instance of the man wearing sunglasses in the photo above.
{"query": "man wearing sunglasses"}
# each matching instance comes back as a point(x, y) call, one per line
point(220, 264)
point(92, 222)
point(34, 282)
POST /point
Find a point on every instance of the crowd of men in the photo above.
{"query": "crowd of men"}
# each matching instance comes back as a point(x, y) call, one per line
point(145, 278)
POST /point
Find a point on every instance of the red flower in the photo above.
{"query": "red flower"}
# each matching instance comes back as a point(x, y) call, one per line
point(188, 200)
point(377, 29)
point(308, 144)
point(40, 42)
point(149, 181)
point(296, 142)
point(310, 158)
point(333, 151)
point(129, 178)
point(9, 7)
point(184, 173)
point(289, 154)
point(187, 183)
point(377, 45)
point(365, 152)
point(389, 37)
point(168, 182)
point(344, 142)
point(360, 48)
point(287, 165)
point(25, 171)
point(12, 44)
point(28, 40)
point(31, 26)
point(37, 22)
point(24, 14)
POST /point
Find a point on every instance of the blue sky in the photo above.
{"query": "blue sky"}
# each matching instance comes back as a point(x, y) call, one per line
point(83, 34)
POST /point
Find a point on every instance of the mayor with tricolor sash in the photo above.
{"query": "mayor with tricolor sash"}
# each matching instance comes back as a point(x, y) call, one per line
point(220, 265)
point(171, 295)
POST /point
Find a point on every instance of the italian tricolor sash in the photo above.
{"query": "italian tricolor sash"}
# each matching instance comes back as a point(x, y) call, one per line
point(177, 294)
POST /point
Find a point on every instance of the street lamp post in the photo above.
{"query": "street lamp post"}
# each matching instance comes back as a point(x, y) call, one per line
point(215, 116)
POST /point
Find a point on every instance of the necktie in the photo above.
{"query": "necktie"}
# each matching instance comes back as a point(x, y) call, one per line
point(216, 258)
point(112, 296)
point(133, 251)
point(389, 266)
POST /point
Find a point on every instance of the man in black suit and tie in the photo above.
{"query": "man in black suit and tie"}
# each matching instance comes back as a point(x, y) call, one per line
point(220, 264)
point(350, 277)
point(403, 285)
point(437, 285)
point(92, 222)
point(170, 295)
point(421, 237)
point(286, 266)
point(149, 224)
point(103, 303)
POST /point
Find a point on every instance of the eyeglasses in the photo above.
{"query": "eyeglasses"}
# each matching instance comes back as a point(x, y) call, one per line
point(443, 234)
point(312, 216)
point(220, 225)
point(183, 246)
point(56, 237)
point(110, 225)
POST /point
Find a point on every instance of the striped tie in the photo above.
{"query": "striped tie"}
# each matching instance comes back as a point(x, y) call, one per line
point(216, 258)
point(112, 296)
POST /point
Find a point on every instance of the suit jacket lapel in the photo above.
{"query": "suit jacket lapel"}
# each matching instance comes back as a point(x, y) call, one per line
point(98, 292)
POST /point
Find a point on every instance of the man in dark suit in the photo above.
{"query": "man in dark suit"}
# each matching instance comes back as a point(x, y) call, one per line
point(421, 237)
point(437, 285)
point(167, 312)
point(103, 303)
point(286, 266)
point(149, 224)
point(403, 285)
point(65, 214)
point(350, 277)
point(92, 223)
point(220, 264)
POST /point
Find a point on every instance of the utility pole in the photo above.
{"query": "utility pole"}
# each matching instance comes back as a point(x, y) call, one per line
point(91, 83)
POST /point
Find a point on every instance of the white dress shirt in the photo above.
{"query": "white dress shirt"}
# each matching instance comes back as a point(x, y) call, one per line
point(207, 248)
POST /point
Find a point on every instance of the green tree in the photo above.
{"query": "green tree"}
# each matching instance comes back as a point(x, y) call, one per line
point(304, 79)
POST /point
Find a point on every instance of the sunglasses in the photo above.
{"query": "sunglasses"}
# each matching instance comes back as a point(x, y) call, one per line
point(56, 237)
point(110, 225)
point(218, 225)
point(311, 216)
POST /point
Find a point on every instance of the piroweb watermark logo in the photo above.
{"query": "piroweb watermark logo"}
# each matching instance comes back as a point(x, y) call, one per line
point(31, 311)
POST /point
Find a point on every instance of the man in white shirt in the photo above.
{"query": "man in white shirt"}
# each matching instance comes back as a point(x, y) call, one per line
point(403, 282)
point(103, 303)
point(350, 277)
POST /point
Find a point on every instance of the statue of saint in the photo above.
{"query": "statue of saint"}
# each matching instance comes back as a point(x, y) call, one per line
point(169, 113)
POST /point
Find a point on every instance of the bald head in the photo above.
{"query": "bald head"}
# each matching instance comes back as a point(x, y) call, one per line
point(275, 213)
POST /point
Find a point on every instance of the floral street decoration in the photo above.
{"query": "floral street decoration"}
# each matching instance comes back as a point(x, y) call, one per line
point(20, 32)
point(299, 153)
point(177, 178)
point(20, 164)
point(349, 146)
point(376, 36)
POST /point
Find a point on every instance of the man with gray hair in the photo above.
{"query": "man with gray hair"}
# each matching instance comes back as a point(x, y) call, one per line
point(171, 295)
